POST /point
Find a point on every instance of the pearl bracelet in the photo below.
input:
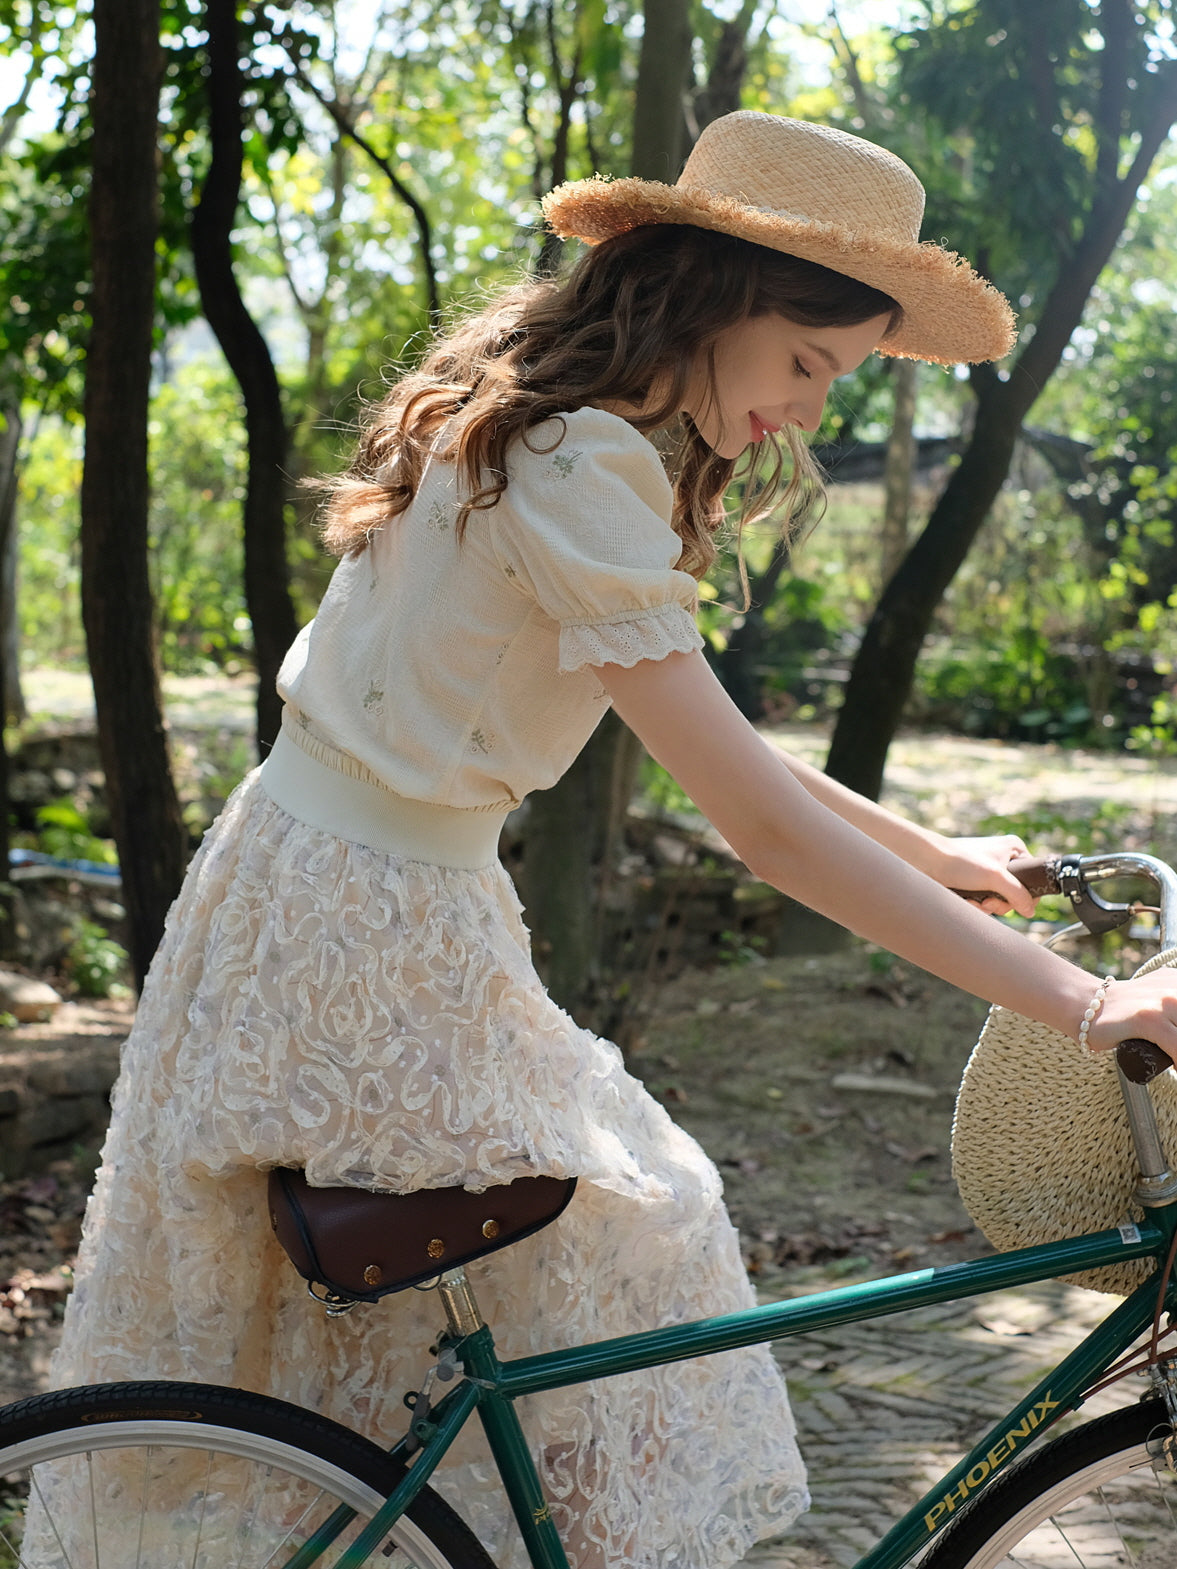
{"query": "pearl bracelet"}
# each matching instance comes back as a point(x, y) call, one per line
point(1093, 1008)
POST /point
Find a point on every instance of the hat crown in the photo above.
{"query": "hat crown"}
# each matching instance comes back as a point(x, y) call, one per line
point(810, 172)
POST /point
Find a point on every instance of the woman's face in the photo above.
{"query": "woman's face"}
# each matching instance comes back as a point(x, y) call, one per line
point(770, 372)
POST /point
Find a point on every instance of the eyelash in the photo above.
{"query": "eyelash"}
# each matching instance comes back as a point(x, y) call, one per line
point(801, 371)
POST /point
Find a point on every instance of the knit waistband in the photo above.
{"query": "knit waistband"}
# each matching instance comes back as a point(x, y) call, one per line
point(364, 813)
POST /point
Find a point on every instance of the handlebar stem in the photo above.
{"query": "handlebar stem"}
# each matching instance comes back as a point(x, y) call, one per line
point(1158, 1185)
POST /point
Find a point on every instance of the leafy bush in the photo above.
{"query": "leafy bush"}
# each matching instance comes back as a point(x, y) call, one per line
point(65, 832)
point(96, 963)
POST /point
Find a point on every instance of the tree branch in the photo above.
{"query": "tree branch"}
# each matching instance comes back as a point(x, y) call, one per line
point(1105, 222)
point(421, 217)
point(845, 52)
point(1116, 26)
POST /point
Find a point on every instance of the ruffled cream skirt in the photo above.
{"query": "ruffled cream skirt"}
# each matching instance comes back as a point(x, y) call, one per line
point(378, 1021)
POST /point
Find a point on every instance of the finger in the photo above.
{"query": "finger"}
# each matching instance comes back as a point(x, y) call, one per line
point(1017, 897)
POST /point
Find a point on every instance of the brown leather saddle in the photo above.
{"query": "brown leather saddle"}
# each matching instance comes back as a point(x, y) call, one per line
point(360, 1245)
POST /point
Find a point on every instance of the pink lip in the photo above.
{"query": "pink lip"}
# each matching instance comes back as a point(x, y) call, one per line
point(760, 428)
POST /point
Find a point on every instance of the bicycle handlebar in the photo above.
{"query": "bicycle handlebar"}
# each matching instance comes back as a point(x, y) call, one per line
point(1140, 1061)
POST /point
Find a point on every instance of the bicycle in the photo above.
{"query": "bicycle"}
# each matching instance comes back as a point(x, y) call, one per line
point(306, 1491)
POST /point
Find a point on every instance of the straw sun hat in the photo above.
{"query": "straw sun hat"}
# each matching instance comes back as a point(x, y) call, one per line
point(820, 194)
point(1041, 1147)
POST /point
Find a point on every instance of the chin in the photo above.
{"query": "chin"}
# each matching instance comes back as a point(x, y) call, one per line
point(729, 447)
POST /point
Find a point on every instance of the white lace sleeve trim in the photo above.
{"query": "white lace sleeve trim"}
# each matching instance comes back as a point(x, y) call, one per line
point(626, 639)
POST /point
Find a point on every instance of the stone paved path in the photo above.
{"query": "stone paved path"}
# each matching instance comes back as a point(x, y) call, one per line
point(885, 1408)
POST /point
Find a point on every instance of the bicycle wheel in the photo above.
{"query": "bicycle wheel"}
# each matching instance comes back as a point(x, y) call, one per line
point(1100, 1495)
point(191, 1476)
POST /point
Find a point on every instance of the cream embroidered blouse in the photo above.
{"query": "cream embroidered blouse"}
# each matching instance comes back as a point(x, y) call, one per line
point(459, 673)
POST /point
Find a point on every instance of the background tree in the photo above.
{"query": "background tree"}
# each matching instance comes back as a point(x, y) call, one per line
point(116, 596)
point(267, 573)
point(574, 831)
point(1002, 82)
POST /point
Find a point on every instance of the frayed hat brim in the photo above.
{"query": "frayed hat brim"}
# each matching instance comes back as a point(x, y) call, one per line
point(951, 315)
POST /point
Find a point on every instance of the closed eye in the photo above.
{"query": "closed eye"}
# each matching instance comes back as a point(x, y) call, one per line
point(801, 371)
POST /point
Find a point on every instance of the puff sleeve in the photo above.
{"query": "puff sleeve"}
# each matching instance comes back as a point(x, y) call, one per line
point(583, 530)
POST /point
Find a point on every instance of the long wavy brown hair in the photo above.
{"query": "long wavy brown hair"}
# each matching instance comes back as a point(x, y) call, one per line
point(631, 324)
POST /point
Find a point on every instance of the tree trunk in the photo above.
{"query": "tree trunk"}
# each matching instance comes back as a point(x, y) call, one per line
point(267, 572)
point(10, 432)
point(575, 829)
point(739, 666)
point(726, 69)
point(884, 668)
point(12, 704)
point(574, 833)
point(897, 470)
point(116, 594)
point(663, 66)
point(885, 664)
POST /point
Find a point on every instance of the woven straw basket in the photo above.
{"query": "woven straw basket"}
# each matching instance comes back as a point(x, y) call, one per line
point(1041, 1147)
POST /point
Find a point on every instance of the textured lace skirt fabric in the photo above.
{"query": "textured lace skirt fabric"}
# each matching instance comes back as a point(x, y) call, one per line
point(379, 1021)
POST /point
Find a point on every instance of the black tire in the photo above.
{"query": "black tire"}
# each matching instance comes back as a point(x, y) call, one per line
point(192, 1476)
point(1101, 1494)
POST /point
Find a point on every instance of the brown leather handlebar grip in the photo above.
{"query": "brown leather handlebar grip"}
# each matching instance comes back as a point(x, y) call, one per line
point(1038, 873)
point(1141, 1061)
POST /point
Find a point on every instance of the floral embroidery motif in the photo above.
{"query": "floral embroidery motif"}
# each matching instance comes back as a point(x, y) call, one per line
point(563, 463)
point(439, 517)
point(373, 699)
point(480, 741)
point(510, 570)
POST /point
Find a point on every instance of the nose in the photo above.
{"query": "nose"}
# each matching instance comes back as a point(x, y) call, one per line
point(806, 412)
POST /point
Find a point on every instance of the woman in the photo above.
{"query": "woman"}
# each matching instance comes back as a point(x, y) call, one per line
point(345, 983)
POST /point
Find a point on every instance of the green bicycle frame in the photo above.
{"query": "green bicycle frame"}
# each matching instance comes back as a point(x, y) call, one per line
point(492, 1386)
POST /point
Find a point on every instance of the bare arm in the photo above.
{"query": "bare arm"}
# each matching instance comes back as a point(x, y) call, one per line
point(938, 857)
point(795, 840)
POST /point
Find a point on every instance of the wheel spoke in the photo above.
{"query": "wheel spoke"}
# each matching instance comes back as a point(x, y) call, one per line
point(158, 1476)
point(208, 1471)
point(93, 1509)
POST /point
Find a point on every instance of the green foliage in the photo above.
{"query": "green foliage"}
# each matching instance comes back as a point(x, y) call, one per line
point(661, 791)
point(198, 477)
point(198, 481)
point(97, 965)
point(1157, 738)
point(1014, 99)
point(65, 832)
point(736, 950)
point(1012, 684)
point(49, 602)
point(1103, 828)
point(44, 268)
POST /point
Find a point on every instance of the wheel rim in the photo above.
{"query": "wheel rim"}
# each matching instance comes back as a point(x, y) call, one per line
point(1119, 1512)
point(155, 1494)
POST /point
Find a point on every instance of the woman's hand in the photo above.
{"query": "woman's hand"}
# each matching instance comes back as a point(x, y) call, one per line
point(1143, 1008)
point(981, 866)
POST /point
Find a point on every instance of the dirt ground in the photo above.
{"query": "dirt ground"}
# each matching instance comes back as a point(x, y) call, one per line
point(821, 1085)
point(823, 1088)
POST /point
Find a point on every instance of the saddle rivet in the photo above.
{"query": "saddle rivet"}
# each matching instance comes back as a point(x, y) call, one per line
point(490, 1229)
point(435, 1247)
point(373, 1275)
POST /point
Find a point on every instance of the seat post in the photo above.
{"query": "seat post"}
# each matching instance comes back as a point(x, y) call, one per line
point(462, 1312)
